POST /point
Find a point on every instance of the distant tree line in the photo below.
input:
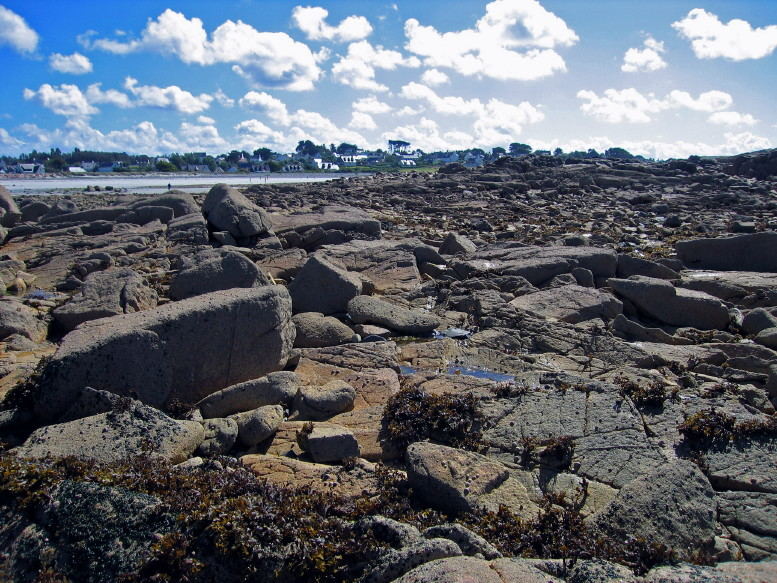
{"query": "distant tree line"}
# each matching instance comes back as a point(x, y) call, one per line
point(57, 161)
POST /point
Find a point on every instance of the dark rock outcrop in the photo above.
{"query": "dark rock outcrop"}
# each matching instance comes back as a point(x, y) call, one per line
point(187, 349)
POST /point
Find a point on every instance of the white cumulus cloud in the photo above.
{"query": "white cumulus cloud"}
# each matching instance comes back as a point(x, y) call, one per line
point(732, 118)
point(274, 108)
point(8, 143)
point(736, 40)
point(707, 101)
point(371, 105)
point(223, 99)
point(732, 144)
point(514, 40)
point(95, 94)
point(70, 100)
point(253, 133)
point(426, 135)
point(320, 129)
point(171, 97)
point(75, 64)
point(434, 77)
point(203, 134)
point(357, 68)
point(450, 105)
point(65, 99)
point(298, 125)
point(266, 59)
point(631, 106)
point(142, 138)
point(500, 122)
point(495, 120)
point(362, 121)
point(644, 59)
point(15, 32)
point(408, 110)
point(312, 21)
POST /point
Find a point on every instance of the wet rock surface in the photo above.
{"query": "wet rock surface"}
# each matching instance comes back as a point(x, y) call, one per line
point(540, 370)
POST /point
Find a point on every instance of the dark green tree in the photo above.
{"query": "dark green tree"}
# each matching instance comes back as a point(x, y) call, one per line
point(618, 153)
point(307, 148)
point(162, 166)
point(264, 153)
point(518, 149)
point(345, 148)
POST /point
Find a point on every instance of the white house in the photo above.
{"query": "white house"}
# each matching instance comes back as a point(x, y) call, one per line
point(352, 159)
point(321, 165)
point(398, 147)
point(407, 162)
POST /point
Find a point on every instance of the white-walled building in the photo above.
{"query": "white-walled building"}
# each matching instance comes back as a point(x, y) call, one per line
point(321, 165)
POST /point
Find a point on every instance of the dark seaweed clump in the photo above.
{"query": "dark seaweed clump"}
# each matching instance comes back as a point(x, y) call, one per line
point(453, 419)
point(713, 428)
point(651, 394)
point(554, 452)
point(219, 523)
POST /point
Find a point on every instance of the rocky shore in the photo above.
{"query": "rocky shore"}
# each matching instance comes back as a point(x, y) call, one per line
point(542, 370)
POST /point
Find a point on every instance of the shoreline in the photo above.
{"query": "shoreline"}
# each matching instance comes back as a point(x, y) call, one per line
point(22, 185)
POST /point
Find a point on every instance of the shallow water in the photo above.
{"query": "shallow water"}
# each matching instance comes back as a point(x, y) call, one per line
point(153, 184)
point(480, 373)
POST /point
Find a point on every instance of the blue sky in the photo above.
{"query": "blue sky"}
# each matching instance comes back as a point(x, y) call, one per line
point(665, 78)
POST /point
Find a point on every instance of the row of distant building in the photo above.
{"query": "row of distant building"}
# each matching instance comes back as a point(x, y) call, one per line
point(32, 168)
point(296, 162)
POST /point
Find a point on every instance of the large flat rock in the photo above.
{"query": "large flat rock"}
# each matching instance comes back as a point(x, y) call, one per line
point(538, 264)
point(659, 299)
point(751, 252)
point(183, 350)
point(609, 440)
point(369, 367)
point(453, 479)
point(341, 218)
point(389, 265)
point(570, 303)
point(751, 518)
point(288, 472)
point(674, 505)
point(116, 436)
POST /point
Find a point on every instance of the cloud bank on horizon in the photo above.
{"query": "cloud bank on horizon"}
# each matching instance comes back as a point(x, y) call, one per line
point(203, 78)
